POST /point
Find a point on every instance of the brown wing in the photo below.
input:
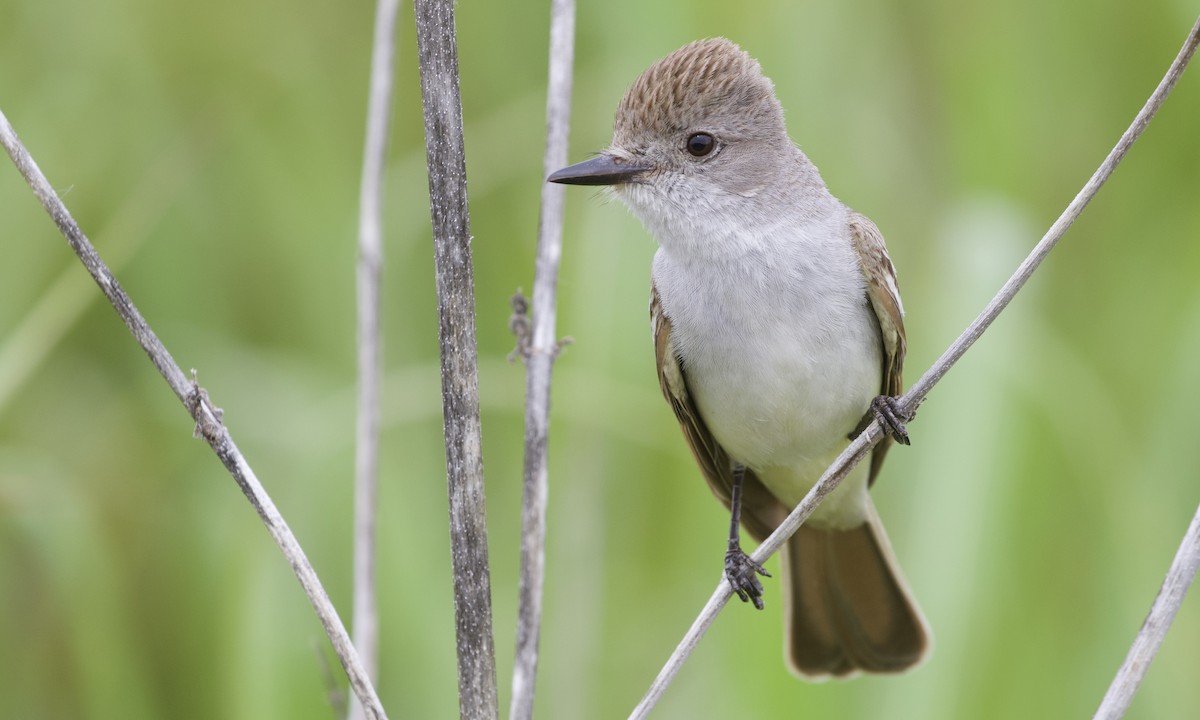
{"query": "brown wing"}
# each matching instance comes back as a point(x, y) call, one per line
point(761, 511)
point(884, 296)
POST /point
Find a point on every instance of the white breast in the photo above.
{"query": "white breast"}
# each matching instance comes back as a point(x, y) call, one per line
point(779, 346)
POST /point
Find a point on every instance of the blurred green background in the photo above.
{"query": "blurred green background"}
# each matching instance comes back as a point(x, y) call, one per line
point(212, 152)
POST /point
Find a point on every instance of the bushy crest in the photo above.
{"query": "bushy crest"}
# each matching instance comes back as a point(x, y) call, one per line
point(704, 81)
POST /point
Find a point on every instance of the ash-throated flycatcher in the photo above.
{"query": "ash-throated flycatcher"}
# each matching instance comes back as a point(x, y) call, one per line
point(779, 331)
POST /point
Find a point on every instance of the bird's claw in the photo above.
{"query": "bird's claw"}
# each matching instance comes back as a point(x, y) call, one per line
point(742, 573)
point(889, 414)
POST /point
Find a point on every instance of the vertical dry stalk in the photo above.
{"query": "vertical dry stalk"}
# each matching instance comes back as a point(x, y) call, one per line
point(370, 348)
point(437, 53)
point(205, 414)
point(539, 361)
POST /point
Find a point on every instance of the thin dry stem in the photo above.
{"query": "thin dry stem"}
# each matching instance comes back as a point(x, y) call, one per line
point(370, 347)
point(203, 412)
point(539, 353)
point(1150, 638)
point(861, 446)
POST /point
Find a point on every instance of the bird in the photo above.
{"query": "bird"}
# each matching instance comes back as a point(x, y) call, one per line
point(778, 332)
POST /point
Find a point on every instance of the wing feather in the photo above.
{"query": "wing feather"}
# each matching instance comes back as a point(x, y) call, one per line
point(884, 296)
point(761, 511)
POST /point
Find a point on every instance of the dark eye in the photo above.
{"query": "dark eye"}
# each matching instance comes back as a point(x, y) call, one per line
point(701, 144)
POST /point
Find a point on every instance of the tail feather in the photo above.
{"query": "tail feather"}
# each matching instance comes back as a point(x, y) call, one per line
point(847, 607)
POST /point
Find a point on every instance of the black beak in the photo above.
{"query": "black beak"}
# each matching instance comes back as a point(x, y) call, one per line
point(600, 170)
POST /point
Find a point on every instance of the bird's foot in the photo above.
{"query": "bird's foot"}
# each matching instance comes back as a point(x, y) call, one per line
point(889, 414)
point(742, 573)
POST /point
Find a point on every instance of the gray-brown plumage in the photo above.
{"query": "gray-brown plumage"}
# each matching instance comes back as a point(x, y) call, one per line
point(776, 322)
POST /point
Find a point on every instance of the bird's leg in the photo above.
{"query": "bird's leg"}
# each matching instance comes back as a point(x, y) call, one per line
point(889, 414)
point(740, 569)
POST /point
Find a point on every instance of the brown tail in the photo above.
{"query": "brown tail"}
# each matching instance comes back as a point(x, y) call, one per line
point(847, 608)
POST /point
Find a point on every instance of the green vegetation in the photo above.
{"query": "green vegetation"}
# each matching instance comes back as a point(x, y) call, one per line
point(212, 152)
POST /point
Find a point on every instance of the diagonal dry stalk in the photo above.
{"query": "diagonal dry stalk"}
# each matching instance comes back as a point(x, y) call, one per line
point(1149, 639)
point(206, 415)
point(861, 446)
point(370, 349)
point(539, 352)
